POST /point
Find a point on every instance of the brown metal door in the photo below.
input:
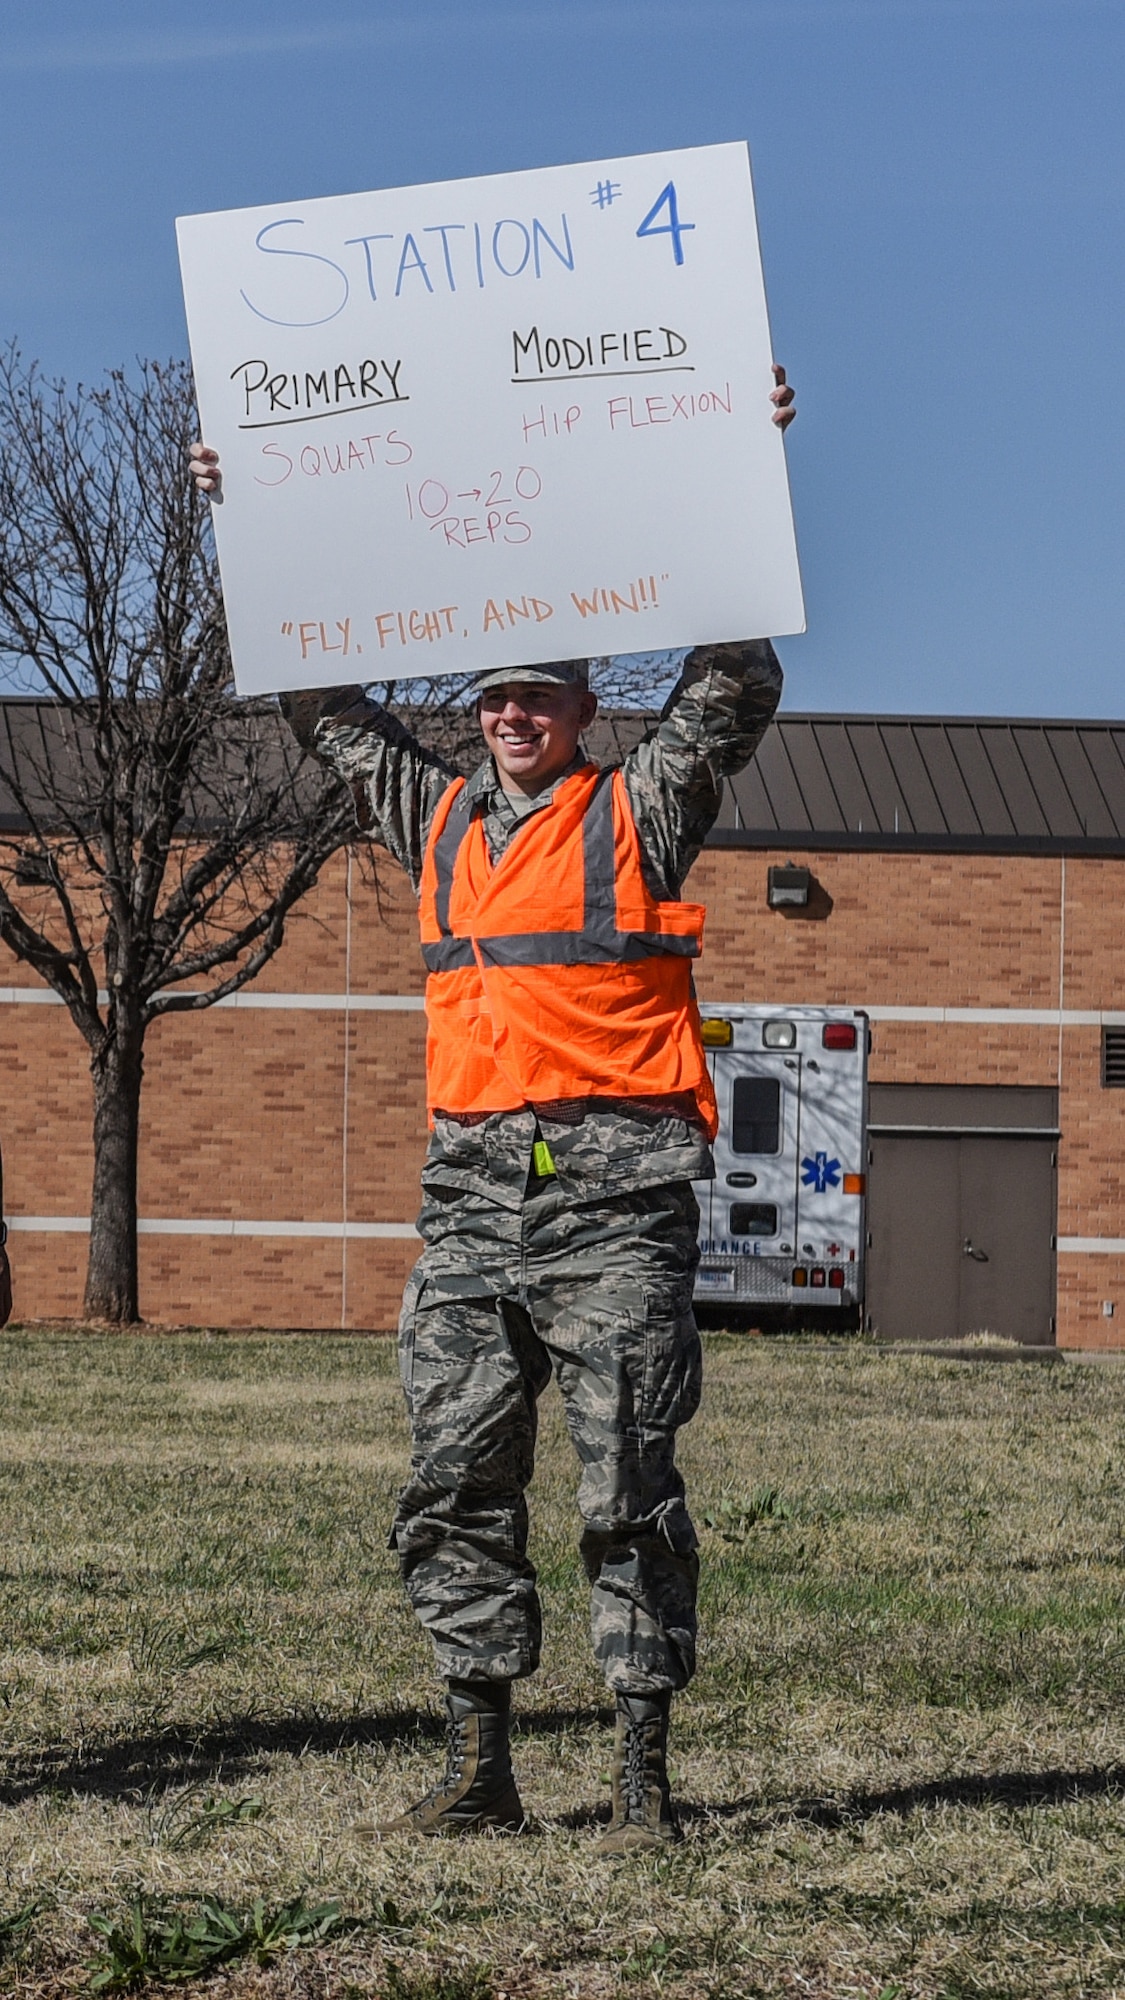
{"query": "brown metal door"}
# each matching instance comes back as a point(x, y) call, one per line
point(1007, 1279)
point(962, 1237)
point(914, 1210)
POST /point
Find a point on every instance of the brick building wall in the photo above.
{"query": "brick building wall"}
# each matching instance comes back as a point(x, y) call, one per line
point(267, 1123)
point(996, 937)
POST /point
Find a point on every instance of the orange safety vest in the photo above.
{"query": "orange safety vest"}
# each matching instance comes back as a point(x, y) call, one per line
point(556, 973)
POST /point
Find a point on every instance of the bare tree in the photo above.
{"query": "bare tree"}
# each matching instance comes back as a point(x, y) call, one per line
point(162, 829)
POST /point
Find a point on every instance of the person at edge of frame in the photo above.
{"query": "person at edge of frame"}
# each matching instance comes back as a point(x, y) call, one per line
point(5, 1267)
point(570, 1110)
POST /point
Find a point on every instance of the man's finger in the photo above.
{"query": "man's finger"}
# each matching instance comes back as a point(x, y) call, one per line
point(203, 466)
point(783, 418)
point(778, 373)
point(782, 397)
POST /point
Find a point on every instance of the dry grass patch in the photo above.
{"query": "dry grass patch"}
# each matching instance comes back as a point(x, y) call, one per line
point(902, 1764)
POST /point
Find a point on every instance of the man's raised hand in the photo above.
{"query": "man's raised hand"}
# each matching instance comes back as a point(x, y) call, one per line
point(204, 467)
point(782, 397)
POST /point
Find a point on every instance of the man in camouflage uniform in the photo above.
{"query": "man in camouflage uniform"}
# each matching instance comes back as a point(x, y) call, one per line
point(557, 1238)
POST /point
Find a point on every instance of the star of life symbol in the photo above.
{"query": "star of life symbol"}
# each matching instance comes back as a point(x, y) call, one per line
point(606, 193)
point(820, 1173)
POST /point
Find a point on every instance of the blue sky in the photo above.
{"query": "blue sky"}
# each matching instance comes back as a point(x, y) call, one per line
point(941, 186)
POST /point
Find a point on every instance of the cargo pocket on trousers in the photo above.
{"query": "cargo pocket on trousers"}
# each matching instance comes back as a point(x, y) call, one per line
point(673, 1361)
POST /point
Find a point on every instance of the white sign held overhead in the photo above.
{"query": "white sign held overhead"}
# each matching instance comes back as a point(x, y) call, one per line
point(492, 422)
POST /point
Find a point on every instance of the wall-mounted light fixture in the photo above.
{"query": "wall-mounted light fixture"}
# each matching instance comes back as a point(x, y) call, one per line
point(788, 887)
point(32, 869)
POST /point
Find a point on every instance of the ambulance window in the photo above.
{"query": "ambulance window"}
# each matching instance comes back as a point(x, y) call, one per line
point(753, 1218)
point(756, 1115)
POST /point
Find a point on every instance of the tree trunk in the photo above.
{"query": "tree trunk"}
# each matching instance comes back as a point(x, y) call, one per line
point(111, 1275)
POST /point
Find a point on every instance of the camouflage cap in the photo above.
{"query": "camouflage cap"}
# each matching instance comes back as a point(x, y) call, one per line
point(562, 673)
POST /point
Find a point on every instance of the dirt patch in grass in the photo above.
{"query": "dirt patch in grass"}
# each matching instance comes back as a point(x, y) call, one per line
point(902, 1765)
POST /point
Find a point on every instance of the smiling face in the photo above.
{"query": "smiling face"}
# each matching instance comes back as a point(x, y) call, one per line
point(532, 729)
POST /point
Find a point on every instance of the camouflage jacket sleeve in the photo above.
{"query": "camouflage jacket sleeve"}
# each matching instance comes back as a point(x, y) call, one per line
point(712, 723)
point(395, 781)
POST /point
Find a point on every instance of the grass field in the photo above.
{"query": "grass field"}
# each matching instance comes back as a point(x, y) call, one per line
point(902, 1764)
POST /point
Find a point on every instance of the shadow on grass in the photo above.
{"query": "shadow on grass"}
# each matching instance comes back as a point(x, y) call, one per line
point(138, 1767)
point(1003, 1788)
point(999, 1788)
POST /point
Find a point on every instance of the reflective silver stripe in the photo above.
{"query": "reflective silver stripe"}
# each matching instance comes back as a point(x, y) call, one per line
point(599, 917)
point(599, 942)
point(445, 854)
point(449, 954)
point(580, 948)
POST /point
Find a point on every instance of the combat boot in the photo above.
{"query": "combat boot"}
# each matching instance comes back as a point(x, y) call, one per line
point(642, 1800)
point(477, 1791)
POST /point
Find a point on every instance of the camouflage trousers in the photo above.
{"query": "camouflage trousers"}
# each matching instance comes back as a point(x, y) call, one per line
point(599, 1293)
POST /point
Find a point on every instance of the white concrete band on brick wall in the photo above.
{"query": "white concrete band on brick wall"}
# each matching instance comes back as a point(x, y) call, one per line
point(1009, 1017)
point(1094, 1246)
point(161, 1225)
point(372, 1003)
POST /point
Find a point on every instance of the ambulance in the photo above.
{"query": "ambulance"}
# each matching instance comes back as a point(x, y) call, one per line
point(782, 1230)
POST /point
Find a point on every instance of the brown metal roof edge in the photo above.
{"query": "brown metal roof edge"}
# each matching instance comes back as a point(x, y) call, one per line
point(873, 716)
point(809, 840)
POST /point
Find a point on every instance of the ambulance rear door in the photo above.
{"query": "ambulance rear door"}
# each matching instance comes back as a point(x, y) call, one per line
point(754, 1193)
point(831, 1185)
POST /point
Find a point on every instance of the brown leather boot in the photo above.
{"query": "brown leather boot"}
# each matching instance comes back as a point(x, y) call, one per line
point(477, 1792)
point(642, 1801)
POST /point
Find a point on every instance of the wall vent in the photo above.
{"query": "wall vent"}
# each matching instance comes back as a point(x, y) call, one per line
point(1113, 1058)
